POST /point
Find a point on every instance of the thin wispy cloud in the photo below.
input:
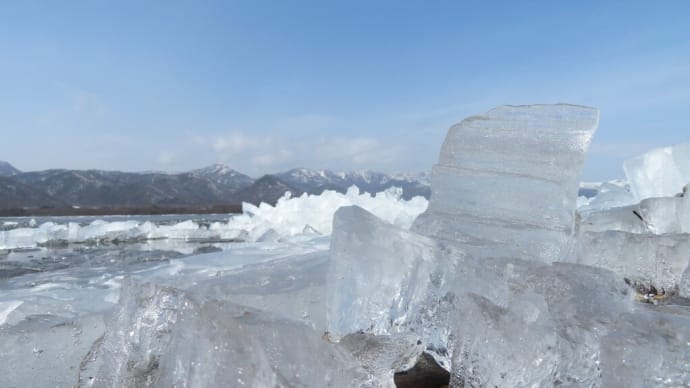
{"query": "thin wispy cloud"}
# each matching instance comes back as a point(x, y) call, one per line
point(259, 153)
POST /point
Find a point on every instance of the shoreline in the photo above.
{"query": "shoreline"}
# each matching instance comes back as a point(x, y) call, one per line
point(120, 210)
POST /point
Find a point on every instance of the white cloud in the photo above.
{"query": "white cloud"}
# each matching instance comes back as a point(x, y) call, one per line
point(165, 157)
point(238, 142)
point(86, 103)
point(272, 158)
point(258, 154)
point(358, 150)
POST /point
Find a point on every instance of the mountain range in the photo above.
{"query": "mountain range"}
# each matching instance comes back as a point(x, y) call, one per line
point(214, 185)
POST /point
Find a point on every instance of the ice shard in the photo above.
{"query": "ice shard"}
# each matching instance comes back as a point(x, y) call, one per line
point(506, 182)
point(661, 172)
point(376, 273)
point(646, 260)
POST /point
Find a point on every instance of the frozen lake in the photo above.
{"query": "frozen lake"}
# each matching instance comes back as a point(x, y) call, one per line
point(505, 277)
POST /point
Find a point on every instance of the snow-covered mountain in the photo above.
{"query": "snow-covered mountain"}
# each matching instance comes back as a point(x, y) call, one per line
point(316, 181)
point(7, 169)
point(213, 185)
point(224, 177)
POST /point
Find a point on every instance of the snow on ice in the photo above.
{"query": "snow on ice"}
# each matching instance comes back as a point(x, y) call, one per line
point(308, 214)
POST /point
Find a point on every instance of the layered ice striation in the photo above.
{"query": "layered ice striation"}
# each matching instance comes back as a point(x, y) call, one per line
point(661, 172)
point(506, 182)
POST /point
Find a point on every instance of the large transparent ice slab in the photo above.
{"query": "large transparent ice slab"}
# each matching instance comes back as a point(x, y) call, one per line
point(507, 181)
point(661, 172)
point(376, 272)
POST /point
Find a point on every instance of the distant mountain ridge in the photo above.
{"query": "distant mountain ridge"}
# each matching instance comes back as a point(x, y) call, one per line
point(7, 169)
point(209, 186)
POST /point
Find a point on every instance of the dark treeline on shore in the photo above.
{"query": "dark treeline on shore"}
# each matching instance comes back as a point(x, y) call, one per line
point(116, 211)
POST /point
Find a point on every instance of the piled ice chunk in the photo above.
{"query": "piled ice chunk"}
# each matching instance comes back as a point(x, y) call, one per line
point(661, 172)
point(480, 289)
point(293, 216)
point(657, 215)
point(506, 182)
point(650, 243)
point(646, 260)
point(305, 215)
point(376, 273)
point(485, 290)
point(547, 332)
point(603, 196)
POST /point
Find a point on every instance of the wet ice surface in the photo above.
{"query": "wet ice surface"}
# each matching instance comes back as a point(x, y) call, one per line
point(500, 289)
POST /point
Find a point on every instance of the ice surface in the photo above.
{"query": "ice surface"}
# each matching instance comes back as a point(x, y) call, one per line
point(375, 274)
point(294, 287)
point(305, 215)
point(684, 287)
point(573, 326)
point(661, 172)
point(624, 219)
point(647, 350)
point(644, 259)
point(47, 350)
point(604, 195)
point(666, 215)
point(657, 215)
point(508, 180)
point(382, 355)
point(167, 337)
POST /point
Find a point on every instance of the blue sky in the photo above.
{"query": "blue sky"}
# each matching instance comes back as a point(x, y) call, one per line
point(266, 86)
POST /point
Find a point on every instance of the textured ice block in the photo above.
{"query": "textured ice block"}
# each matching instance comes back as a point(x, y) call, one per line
point(684, 287)
point(606, 195)
point(546, 333)
point(294, 287)
point(167, 337)
point(644, 259)
point(666, 215)
point(625, 218)
point(376, 273)
point(647, 349)
point(45, 350)
point(661, 172)
point(656, 215)
point(507, 182)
